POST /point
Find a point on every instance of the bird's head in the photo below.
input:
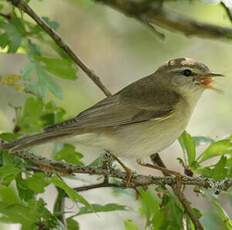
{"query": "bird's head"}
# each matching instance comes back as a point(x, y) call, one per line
point(187, 75)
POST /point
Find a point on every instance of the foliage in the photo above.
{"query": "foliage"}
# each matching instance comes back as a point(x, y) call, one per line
point(21, 187)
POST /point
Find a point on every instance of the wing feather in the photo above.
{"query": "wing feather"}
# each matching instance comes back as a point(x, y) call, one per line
point(123, 109)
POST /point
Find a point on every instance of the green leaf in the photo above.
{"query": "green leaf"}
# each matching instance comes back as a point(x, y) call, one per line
point(15, 32)
point(173, 213)
point(36, 114)
point(72, 224)
point(150, 204)
point(4, 40)
point(73, 195)
point(46, 82)
point(52, 114)
point(28, 214)
point(8, 195)
point(53, 24)
point(217, 172)
point(102, 208)
point(216, 217)
point(62, 68)
point(130, 225)
point(8, 173)
point(218, 148)
point(24, 192)
point(188, 146)
point(68, 154)
point(30, 121)
point(42, 84)
point(8, 136)
point(37, 182)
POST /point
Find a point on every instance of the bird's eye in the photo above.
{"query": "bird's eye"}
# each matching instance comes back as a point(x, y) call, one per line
point(187, 72)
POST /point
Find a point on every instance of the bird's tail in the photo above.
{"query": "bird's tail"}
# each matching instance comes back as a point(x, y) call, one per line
point(32, 140)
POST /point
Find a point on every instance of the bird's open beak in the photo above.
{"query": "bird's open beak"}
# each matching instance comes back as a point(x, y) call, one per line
point(206, 80)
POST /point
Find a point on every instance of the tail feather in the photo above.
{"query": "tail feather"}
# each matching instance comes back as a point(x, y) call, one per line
point(32, 140)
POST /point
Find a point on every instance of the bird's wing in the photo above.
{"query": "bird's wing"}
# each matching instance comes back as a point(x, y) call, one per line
point(121, 109)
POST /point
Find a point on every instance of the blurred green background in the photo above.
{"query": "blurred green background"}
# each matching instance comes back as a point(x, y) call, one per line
point(121, 50)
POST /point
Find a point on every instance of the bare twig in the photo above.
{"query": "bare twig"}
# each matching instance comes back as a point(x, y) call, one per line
point(104, 184)
point(186, 204)
point(154, 13)
point(22, 5)
point(6, 16)
point(157, 167)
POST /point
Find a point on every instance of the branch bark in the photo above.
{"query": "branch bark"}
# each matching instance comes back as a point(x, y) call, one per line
point(63, 169)
point(23, 6)
point(155, 13)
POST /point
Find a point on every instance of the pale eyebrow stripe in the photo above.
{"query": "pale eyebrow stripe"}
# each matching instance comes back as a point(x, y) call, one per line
point(183, 68)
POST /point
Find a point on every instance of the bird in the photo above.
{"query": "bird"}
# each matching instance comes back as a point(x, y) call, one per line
point(145, 117)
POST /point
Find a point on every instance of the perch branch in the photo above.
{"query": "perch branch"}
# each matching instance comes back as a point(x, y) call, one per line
point(23, 6)
point(155, 13)
point(62, 168)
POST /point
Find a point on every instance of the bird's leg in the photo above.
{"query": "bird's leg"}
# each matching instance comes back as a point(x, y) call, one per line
point(107, 164)
point(129, 172)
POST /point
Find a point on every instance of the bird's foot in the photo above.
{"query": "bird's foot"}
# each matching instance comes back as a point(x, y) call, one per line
point(129, 172)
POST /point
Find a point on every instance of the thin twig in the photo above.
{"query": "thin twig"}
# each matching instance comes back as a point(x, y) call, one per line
point(227, 9)
point(22, 5)
point(186, 204)
point(59, 205)
point(163, 170)
point(155, 13)
point(103, 184)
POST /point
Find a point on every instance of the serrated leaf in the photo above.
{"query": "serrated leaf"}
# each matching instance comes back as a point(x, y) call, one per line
point(62, 68)
point(28, 214)
point(69, 154)
point(37, 182)
point(188, 146)
point(218, 148)
point(29, 121)
point(15, 31)
point(8, 195)
point(24, 192)
point(46, 82)
point(42, 84)
point(8, 173)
